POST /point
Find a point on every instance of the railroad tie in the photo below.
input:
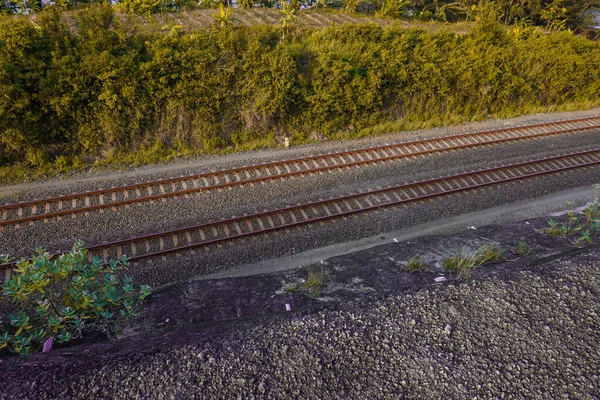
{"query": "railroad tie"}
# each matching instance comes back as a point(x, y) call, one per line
point(448, 186)
point(281, 219)
point(293, 216)
point(237, 227)
point(304, 214)
point(397, 196)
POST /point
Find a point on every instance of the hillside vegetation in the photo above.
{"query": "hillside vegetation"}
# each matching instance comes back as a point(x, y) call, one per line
point(92, 84)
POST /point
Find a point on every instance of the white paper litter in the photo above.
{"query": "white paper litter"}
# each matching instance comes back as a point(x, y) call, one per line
point(288, 307)
point(440, 279)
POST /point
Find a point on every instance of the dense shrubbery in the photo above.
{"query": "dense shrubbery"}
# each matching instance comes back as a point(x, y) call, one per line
point(60, 297)
point(104, 88)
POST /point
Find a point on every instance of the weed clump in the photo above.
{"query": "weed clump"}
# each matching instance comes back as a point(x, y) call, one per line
point(314, 283)
point(416, 264)
point(578, 230)
point(464, 264)
point(524, 249)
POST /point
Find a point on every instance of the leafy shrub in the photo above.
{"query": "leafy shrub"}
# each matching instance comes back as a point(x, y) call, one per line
point(578, 230)
point(61, 297)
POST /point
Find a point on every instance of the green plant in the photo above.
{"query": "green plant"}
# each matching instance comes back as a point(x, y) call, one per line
point(314, 283)
point(288, 18)
point(61, 297)
point(524, 249)
point(223, 16)
point(350, 6)
point(575, 230)
point(291, 287)
point(416, 264)
point(464, 264)
point(391, 8)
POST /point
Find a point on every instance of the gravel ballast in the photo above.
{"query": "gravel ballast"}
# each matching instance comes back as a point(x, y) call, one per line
point(144, 218)
point(519, 334)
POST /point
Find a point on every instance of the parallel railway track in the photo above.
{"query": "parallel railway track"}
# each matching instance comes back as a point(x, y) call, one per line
point(44, 209)
point(216, 232)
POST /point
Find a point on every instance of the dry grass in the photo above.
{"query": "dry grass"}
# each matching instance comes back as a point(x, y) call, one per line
point(200, 18)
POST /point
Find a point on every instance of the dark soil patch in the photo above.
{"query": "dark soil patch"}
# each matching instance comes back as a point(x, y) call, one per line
point(195, 311)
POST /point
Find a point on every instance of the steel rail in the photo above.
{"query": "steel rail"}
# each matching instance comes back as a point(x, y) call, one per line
point(584, 155)
point(174, 193)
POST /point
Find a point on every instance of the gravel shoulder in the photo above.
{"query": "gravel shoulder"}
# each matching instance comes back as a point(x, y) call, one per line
point(525, 328)
point(144, 218)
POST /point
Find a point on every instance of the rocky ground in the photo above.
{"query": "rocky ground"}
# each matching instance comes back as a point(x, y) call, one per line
point(525, 328)
point(144, 218)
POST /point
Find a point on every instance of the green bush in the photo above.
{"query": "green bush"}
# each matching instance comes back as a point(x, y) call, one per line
point(90, 84)
point(61, 297)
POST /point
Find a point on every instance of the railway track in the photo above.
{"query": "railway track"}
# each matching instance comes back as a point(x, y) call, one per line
point(37, 210)
point(216, 232)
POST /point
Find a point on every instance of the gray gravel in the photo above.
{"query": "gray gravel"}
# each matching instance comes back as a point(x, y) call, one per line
point(529, 334)
point(98, 227)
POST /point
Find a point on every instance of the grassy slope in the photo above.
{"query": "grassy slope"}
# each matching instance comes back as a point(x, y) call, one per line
point(199, 18)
